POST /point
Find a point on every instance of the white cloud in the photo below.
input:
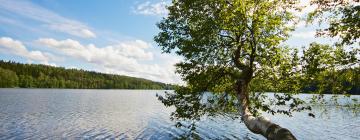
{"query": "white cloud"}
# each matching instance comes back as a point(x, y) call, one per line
point(152, 9)
point(304, 34)
point(131, 49)
point(8, 45)
point(123, 58)
point(301, 24)
point(50, 19)
point(135, 49)
point(71, 29)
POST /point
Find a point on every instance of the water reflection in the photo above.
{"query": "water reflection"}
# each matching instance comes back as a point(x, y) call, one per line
point(136, 114)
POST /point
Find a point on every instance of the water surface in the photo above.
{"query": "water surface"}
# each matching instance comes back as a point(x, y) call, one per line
point(137, 114)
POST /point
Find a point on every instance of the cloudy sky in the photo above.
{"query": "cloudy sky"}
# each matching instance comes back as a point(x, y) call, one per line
point(112, 36)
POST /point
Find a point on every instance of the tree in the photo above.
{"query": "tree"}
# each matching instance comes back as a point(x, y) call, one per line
point(26, 81)
point(329, 68)
point(8, 78)
point(226, 44)
point(233, 53)
point(342, 16)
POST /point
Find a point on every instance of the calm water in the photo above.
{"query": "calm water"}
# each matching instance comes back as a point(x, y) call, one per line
point(137, 114)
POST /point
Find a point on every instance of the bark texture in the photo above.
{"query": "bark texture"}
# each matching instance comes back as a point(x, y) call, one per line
point(259, 125)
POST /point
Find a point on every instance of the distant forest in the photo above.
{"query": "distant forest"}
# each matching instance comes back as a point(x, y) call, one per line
point(14, 74)
point(349, 79)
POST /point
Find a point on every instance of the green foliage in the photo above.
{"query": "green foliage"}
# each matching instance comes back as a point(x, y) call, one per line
point(233, 50)
point(8, 78)
point(41, 76)
point(330, 69)
point(227, 43)
point(343, 17)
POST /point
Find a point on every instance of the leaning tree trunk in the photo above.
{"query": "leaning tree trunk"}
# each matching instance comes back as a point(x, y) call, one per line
point(259, 125)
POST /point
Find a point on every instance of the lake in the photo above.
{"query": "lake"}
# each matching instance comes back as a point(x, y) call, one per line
point(137, 114)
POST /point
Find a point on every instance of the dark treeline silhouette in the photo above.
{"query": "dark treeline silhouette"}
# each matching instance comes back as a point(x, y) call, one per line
point(348, 81)
point(14, 74)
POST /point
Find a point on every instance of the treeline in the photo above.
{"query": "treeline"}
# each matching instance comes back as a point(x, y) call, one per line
point(346, 81)
point(14, 74)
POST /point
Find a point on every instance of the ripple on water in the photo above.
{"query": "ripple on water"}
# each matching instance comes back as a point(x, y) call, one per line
point(136, 114)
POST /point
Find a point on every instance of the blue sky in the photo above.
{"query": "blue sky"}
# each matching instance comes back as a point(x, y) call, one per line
point(112, 36)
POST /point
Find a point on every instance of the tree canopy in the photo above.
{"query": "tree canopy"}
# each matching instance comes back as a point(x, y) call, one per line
point(234, 52)
point(8, 78)
point(342, 17)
